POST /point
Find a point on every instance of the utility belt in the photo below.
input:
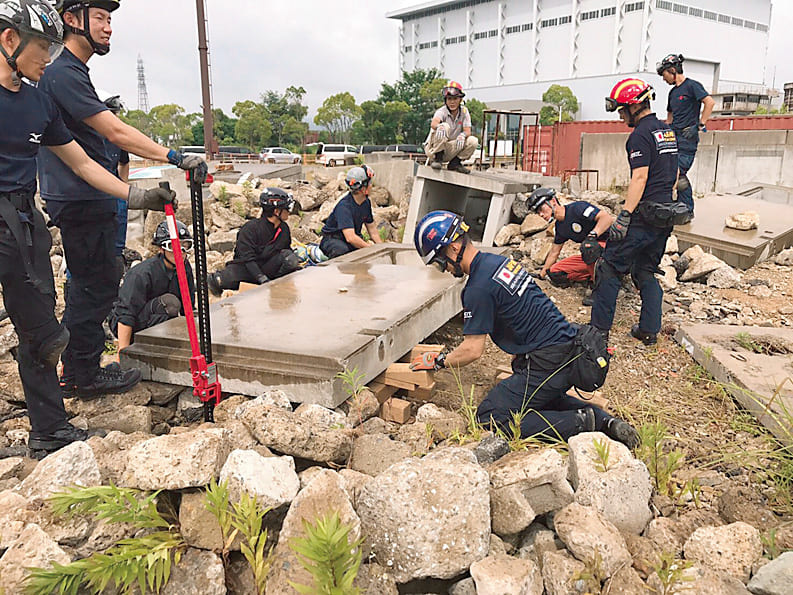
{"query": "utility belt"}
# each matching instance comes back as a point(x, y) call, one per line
point(664, 214)
point(21, 200)
point(547, 359)
point(25, 223)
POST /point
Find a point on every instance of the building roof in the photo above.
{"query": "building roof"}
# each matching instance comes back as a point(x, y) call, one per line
point(428, 7)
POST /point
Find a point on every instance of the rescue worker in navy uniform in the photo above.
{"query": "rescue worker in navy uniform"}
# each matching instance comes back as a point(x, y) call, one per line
point(637, 238)
point(264, 246)
point(502, 300)
point(30, 38)
point(119, 164)
point(687, 98)
point(150, 292)
point(342, 232)
point(580, 222)
point(85, 216)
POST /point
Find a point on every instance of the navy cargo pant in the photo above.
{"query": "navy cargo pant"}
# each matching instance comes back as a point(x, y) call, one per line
point(639, 254)
point(333, 246)
point(539, 393)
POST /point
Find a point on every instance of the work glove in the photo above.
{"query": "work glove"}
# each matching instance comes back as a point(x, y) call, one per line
point(195, 163)
point(153, 199)
point(460, 142)
point(619, 229)
point(262, 279)
point(429, 360)
point(690, 132)
point(590, 249)
point(440, 133)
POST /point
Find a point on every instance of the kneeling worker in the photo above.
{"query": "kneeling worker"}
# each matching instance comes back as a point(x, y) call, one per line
point(150, 291)
point(500, 299)
point(450, 138)
point(342, 232)
point(264, 246)
point(580, 222)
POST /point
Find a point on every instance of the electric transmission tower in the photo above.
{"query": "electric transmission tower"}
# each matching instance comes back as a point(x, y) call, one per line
point(143, 94)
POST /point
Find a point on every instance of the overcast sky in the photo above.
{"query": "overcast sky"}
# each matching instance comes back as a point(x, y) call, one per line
point(326, 46)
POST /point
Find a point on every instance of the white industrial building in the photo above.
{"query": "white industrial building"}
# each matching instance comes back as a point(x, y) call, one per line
point(511, 50)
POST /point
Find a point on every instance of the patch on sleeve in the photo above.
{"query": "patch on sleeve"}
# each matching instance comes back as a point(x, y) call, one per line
point(665, 141)
point(513, 277)
point(588, 211)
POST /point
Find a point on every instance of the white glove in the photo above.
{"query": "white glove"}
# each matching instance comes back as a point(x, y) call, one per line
point(440, 133)
point(460, 143)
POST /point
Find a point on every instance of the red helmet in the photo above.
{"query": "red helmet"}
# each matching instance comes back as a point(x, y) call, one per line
point(629, 92)
point(453, 89)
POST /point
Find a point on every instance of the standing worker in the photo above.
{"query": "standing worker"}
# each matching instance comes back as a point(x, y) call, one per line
point(120, 158)
point(502, 300)
point(637, 238)
point(450, 137)
point(687, 98)
point(86, 216)
point(31, 35)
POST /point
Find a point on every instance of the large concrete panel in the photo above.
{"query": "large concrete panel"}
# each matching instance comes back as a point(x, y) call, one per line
point(760, 382)
point(296, 333)
point(741, 164)
point(703, 173)
point(746, 138)
point(606, 153)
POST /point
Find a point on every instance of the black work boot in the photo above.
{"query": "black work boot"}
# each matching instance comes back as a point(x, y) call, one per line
point(46, 443)
point(587, 301)
point(646, 338)
point(213, 283)
point(456, 165)
point(586, 418)
point(622, 431)
point(435, 161)
point(109, 380)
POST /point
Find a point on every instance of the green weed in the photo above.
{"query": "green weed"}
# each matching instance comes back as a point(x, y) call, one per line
point(592, 576)
point(352, 380)
point(602, 452)
point(671, 572)
point(384, 233)
point(660, 463)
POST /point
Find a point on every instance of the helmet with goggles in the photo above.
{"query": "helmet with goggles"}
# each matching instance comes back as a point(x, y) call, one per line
point(453, 89)
point(434, 232)
point(31, 19)
point(162, 237)
point(629, 92)
point(359, 178)
point(275, 198)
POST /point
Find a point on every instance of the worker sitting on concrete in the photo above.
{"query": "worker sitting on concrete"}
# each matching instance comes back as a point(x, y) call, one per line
point(264, 246)
point(150, 293)
point(580, 222)
point(342, 232)
point(502, 300)
point(450, 137)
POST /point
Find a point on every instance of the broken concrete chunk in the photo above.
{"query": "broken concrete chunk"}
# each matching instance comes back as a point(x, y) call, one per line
point(72, 465)
point(724, 278)
point(701, 266)
point(731, 549)
point(497, 575)
point(506, 233)
point(271, 480)
point(743, 221)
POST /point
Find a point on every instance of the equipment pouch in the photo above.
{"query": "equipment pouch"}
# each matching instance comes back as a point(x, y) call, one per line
point(589, 362)
point(666, 214)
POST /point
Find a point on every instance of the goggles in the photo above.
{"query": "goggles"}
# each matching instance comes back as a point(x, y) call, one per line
point(186, 244)
point(612, 105)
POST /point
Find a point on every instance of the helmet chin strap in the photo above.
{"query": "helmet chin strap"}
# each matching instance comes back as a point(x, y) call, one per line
point(458, 270)
point(16, 74)
point(100, 49)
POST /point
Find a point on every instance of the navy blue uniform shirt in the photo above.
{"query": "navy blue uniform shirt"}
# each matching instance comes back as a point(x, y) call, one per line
point(653, 144)
point(28, 120)
point(502, 300)
point(66, 80)
point(349, 214)
point(579, 220)
point(685, 101)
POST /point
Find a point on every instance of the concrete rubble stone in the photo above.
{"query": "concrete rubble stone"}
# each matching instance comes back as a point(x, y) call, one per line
point(743, 221)
point(499, 575)
point(374, 453)
point(539, 250)
point(380, 196)
point(775, 578)
point(621, 492)
point(226, 409)
point(353, 482)
point(111, 453)
point(532, 224)
point(198, 573)
point(102, 536)
point(681, 264)
point(230, 189)
point(33, 549)
point(645, 553)
point(671, 245)
point(10, 467)
point(463, 587)
point(505, 234)
point(668, 280)
point(525, 484)
point(224, 219)
point(222, 241)
point(127, 419)
point(387, 213)
point(701, 580)
point(274, 397)
point(490, 449)
point(585, 531)
point(731, 549)
point(785, 257)
point(327, 208)
point(497, 546)
point(428, 517)
point(240, 437)
point(373, 579)
point(699, 267)
point(12, 513)
point(322, 496)
point(693, 252)
point(321, 417)
point(724, 278)
point(760, 291)
point(626, 581)
point(536, 540)
point(363, 406)
point(272, 480)
point(308, 197)
point(72, 465)
point(291, 434)
point(198, 526)
point(444, 423)
point(177, 461)
point(559, 572)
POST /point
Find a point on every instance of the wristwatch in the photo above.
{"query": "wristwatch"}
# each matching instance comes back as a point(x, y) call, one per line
point(440, 361)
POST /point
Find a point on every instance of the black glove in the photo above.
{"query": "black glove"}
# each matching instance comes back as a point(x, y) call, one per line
point(619, 229)
point(262, 279)
point(153, 199)
point(590, 249)
point(690, 132)
point(195, 163)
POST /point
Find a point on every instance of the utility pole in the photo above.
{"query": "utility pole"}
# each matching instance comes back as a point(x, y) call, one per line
point(206, 83)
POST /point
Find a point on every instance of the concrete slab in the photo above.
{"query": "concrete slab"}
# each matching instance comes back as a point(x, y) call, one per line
point(296, 333)
point(741, 249)
point(285, 171)
point(762, 383)
point(782, 195)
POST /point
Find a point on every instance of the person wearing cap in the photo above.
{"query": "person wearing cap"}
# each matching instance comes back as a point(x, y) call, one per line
point(450, 140)
point(688, 108)
point(264, 246)
point(343, 230)
point(150, 292)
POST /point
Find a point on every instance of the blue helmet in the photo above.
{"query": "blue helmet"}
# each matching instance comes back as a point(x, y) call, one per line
point(435, 231)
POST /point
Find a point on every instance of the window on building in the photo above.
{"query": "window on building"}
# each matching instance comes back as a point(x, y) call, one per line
point(761, 27)
point(695, 12)
point(480, 35)
point(740, 98)
point(723, 18)
point(527, 27)
point(727, 101)
point(680, 9)
point(408, 49)
point(565, 20)
point(513, 29)
point(433, 44)
point(425, 45)
point(711, 16)
point(663, 5)
point(590, 14)
point(492, 33)
point(549, 23)
point(737, 21)
point(634, 6)
point(754, 99)
point(607, 12)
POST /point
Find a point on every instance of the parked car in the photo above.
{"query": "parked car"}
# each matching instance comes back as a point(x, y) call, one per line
point(279, 155)
point(406, 148)
point(330, 155)
point(366, 149)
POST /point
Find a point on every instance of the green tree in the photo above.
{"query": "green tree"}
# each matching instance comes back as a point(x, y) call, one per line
point(140, 120)
point(338, 113)
point(476, 108)
point(421, 91)
point(763, 110)
point(252, 128)
point(285, 113)
point(561, 102)
point(380, 124)
point(170, 125)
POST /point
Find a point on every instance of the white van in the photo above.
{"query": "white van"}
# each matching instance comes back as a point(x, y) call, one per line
point(330, 155)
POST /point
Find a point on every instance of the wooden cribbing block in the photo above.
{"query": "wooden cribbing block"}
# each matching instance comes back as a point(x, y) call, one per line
point(402, 373)
point(382, 391)
point(394, 383)
point(596, 398)
point(396, 410)
point(244, 286)
point(503, 376)
point(423, 348)
point(422, 394)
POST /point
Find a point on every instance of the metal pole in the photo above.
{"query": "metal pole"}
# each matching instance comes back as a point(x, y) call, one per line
point(206, 96)
point(495, 141)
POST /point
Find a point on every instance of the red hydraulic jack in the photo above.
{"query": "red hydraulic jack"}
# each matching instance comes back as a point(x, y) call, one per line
point(206, 383)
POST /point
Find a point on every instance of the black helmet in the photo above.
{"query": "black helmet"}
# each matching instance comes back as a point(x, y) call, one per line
point(539, 197)
point(671, 61)
point(162, 236)
point(275, 198)
point(30, 18)
point(77, 5)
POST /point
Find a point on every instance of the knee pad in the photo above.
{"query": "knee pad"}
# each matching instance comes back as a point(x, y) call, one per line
point(559, 279)
point(683, 183)
point(49, 351)
point(640, 276)
point(603, 272)
point(171, 304)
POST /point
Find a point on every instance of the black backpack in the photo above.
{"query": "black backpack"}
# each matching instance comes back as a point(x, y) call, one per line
point(589, 362)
